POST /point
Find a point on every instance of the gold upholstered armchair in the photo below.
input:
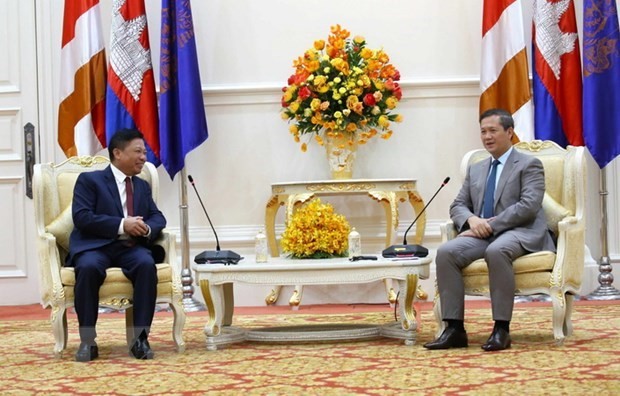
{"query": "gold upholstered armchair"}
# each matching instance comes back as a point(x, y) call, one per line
point(555, 274)
point(53, 194)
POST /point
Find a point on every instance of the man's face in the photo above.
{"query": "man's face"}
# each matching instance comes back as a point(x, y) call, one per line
point(131, 159)
point(495, 139)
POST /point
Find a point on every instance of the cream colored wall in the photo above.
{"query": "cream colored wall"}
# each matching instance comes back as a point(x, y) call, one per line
point(246, 49)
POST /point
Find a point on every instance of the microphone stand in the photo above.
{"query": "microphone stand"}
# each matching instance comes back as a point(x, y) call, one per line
point(187, 282)
point(405, 250)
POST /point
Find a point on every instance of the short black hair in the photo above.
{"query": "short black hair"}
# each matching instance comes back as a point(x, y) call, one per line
point(505, 118)
point(121, 139)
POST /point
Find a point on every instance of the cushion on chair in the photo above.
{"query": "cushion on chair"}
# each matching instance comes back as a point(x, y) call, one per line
point(533, 262)
point(479, 284)
point(115, 275)
point(65, 183)
point(61, 227)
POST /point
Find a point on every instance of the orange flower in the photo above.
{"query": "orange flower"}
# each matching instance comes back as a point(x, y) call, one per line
point(341, 86)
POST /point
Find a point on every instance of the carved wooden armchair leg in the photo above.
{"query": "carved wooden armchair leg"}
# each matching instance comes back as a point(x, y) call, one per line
point(559, 315)
point(59, 327)
point(178, 324)
point(568, 323)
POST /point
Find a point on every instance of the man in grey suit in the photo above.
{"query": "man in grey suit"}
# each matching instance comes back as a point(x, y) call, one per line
point(498, 214)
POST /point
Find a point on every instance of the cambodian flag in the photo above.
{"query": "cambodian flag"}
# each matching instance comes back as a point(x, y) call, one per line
point(557, 73)
point(181, 108)
point(601, 80)
point(131, 101)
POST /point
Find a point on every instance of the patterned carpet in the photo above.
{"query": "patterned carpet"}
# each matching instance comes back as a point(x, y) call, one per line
point(587, 363)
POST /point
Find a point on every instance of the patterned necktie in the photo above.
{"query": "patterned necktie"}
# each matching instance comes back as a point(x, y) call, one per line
point(489, 193)
point(129, 193)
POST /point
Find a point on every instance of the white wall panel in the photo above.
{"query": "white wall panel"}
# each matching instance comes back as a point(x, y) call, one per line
point(12, 240)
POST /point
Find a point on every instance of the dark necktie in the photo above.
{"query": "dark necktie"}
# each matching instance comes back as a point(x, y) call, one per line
point(129, 193)
point(489, 193)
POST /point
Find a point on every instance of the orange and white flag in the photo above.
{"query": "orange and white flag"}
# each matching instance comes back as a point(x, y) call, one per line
point(504, 78)
point(81, 114)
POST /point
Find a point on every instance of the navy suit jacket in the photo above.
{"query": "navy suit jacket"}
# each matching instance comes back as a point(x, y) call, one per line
point(97, 211)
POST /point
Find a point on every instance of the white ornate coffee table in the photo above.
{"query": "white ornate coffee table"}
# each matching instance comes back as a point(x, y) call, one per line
point(388, 192)
point(216, 282)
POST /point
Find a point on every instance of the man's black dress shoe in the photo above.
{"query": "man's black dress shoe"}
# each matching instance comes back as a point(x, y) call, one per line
point(141, 349)
point(450, 338)
point(86, 352)
point(499, 340)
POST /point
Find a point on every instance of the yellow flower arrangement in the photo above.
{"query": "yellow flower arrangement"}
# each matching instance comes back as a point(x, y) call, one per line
point(342, 87)
point(316, 231)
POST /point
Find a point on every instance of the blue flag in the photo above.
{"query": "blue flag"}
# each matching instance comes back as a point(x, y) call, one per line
point(182, 120)
point(601, 80)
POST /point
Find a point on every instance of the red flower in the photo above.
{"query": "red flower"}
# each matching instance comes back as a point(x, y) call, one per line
point(369, 100)
point(396, 75)
point(291, 79)
point(398, 93)
point(304, 93)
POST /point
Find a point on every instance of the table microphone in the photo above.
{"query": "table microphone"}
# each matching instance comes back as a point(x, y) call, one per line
point(209, 256)
point(406, 250)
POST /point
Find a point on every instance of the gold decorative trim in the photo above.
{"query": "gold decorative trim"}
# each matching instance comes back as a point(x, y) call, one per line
point(274, 201)
point(421, 294)
point(295, 299)
point(84, 160)
point(414, 197)
point(272, 297)
point(118, 303)
point(392, 296)
point(277, 189)
point(341, 187)
point(407, 186)
point(534, 145)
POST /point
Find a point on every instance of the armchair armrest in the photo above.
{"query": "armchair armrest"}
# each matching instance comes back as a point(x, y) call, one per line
point(448, 231)
point(569, 263)
point(167, 240)
point(50, 265)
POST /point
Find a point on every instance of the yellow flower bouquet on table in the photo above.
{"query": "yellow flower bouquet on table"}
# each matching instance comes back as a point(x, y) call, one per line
point(316, 231)
point(342, 87)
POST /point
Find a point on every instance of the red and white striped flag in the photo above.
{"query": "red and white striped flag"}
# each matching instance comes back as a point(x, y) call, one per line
point(504, 78)
point(81, 114)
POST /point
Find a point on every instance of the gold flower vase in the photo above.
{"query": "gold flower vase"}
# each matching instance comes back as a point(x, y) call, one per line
point(341, 148)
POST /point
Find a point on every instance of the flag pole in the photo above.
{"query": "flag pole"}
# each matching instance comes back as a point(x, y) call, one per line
point(606, 290)
point(189, 303)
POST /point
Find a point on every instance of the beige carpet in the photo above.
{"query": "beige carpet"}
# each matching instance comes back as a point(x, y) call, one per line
point(587, 363)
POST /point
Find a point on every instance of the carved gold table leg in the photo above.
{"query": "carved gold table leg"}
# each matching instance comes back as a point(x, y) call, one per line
point(408, 313)
point(418, 204)
point(270, 224)
point(214, 299)
point(388, 201)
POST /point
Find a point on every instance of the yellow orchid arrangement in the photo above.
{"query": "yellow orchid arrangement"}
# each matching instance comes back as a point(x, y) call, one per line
point(342, 87)
point(316, 231)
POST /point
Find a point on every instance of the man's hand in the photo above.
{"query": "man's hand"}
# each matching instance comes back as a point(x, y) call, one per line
point(135, 226)
point(478, 228)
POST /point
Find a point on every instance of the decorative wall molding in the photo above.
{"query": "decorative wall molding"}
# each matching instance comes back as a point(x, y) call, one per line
point(243, 236)
point(12, 264)
point(10, 137)
point(270, 93)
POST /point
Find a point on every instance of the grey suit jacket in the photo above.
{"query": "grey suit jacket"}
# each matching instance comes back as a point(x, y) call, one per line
point(518, 200)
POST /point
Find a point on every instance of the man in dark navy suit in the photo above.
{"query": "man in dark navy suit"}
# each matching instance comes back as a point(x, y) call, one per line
point(116, 222)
